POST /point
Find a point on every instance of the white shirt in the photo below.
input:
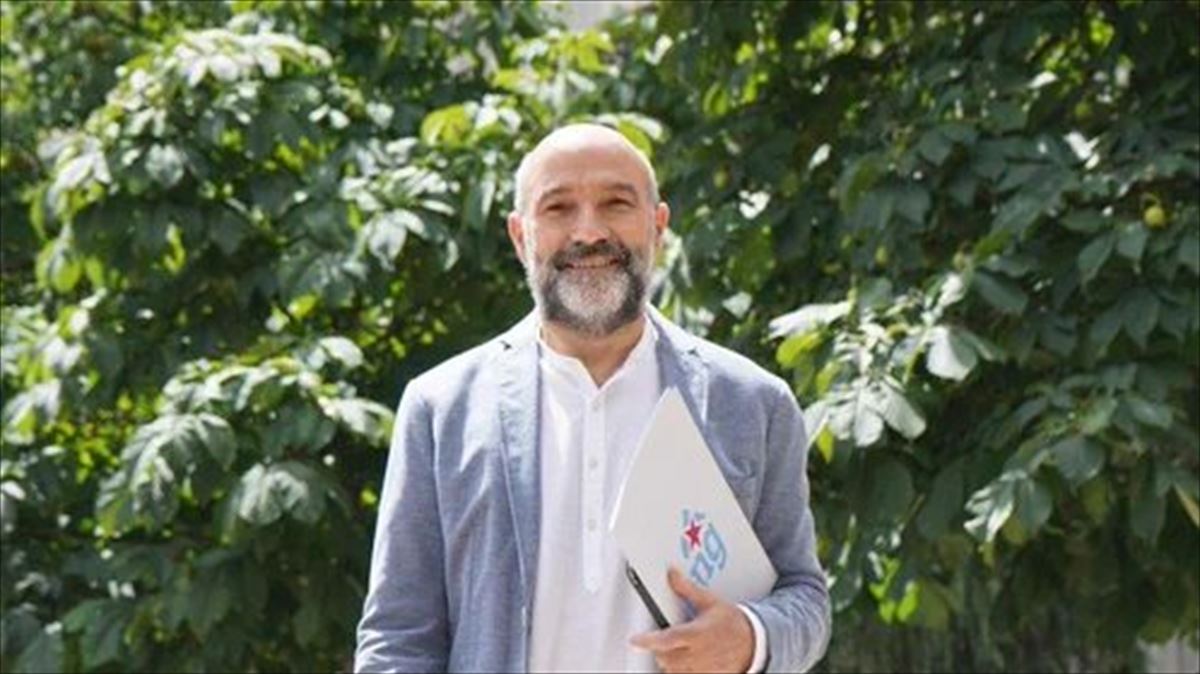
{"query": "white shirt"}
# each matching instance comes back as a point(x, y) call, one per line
point(584, 610)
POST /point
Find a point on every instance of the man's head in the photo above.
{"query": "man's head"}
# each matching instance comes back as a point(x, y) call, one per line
point(586, 225)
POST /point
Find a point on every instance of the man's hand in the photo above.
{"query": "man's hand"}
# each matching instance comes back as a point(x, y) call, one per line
point(719, 639)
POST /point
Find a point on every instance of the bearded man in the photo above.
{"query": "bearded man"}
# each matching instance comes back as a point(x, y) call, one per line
point(491, 552)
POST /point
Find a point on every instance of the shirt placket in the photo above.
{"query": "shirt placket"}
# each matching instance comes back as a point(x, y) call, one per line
point(592, 492)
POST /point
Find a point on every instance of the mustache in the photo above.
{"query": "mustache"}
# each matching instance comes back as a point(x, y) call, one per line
point(581, 251)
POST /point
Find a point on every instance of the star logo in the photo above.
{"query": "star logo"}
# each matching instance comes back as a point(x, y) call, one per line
point(693, 534)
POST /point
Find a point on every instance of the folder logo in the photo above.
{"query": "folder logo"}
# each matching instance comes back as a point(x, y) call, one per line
point(701, 547)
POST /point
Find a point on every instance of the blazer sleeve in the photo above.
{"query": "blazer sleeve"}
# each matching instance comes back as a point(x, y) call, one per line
point(796, 614)
point(404, 626)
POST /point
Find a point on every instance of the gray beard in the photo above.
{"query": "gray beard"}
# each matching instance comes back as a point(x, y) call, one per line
point(591, 303)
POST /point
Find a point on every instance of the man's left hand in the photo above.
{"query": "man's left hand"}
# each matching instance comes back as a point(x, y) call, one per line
point(718, 639)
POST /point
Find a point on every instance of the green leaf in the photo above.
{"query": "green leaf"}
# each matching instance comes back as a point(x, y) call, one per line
point(478, 206)
point(1147, 511)
point(913, 203)
point(1078, 458)
point(384, 235)
point(1189, 251)
point(934, 146)
point(1093, 256)
point(1015, 216)
point(164, 164)
point(1131, 240)
point(944, 502)
point(1002, 294)
point(899, 413)
point(360, 416)
point(889, 490)
point(1005, 116)
point(163, 453)
point(38, 405)
point(1096, 497)
point(1085, 221)
point(959, 132)
point(826, 443)
point(307, 623)
point(1189, 505)
point(949, 356)
point(286, 487)
point(1140, 314)
point(935, 605)
point(636, 135)
point(206, 606)
point(963, 189)
point(104, 635)
point(43, 654)
point(1097, 415)
point(448, 125)
point(857, 179)
point(1148, 412)
point(1033, 504)
point(1105, 328)
point(58, 267)
point(342, 350)
point(808, 318)
point(992, 506)
point(986, 349)
point(793, 348)
point(228, 230)
point(179, 437)
point(951, 291)
point(868, 424)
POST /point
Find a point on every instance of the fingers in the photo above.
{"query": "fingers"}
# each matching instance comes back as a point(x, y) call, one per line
point(675, 661)
point(662, 641)
point(698, 596)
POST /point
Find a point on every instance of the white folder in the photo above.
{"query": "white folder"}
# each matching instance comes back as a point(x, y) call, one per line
point(675, 507)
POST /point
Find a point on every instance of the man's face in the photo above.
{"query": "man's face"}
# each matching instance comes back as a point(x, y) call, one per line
point(588, 235)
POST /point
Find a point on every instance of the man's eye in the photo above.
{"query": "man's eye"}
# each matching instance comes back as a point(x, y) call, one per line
point(619, 203)
point(556, 208)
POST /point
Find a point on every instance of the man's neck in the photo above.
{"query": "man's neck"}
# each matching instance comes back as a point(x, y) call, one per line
point(602, 356)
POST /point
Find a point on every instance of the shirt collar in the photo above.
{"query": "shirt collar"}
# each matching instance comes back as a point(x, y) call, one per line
point(573, 367)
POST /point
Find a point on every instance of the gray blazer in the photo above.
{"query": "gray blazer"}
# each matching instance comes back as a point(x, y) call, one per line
point(456, 544)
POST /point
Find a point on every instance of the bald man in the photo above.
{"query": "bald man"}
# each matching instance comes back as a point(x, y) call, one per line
point(491, 548)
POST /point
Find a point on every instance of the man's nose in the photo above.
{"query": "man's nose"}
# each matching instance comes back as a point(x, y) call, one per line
point(590, 229)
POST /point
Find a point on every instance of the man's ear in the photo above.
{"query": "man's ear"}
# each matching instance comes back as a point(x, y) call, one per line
point(516, 234)
point(662, 220)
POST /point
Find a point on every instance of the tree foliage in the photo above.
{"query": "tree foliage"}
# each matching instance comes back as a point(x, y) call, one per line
point(969, 234)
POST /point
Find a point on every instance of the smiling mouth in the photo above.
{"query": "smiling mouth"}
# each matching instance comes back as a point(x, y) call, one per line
point(591, 264)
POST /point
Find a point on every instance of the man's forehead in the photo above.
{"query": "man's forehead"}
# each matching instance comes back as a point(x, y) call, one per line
point(559, 186)
point(586, 166)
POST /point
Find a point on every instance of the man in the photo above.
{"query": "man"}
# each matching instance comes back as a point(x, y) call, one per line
point(491, 551)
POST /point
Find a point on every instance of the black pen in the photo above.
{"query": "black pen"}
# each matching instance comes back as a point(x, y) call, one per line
point(651, 605)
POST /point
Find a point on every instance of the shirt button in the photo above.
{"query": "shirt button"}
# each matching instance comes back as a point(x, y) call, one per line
point(593, 463)
point(596, 405)
point(592, 524)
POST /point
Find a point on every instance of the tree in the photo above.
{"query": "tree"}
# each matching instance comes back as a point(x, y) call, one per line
point(968, 233)
point(988, 213)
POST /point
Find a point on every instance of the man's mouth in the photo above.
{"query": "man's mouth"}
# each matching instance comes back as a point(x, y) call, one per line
point(592, 263)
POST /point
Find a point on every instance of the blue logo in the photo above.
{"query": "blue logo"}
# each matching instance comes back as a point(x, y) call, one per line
point(702, 548)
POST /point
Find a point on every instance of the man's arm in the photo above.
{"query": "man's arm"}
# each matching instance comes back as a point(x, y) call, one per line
point(796, 614)
point(404, 626)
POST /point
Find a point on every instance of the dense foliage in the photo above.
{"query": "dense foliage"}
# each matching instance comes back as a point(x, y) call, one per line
point(968, 233)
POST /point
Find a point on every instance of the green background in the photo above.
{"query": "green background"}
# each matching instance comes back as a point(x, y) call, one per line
point(968, 234)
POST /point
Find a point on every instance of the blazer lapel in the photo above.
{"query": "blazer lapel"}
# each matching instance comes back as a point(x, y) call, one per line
point(519, 412)
point(680, 366)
